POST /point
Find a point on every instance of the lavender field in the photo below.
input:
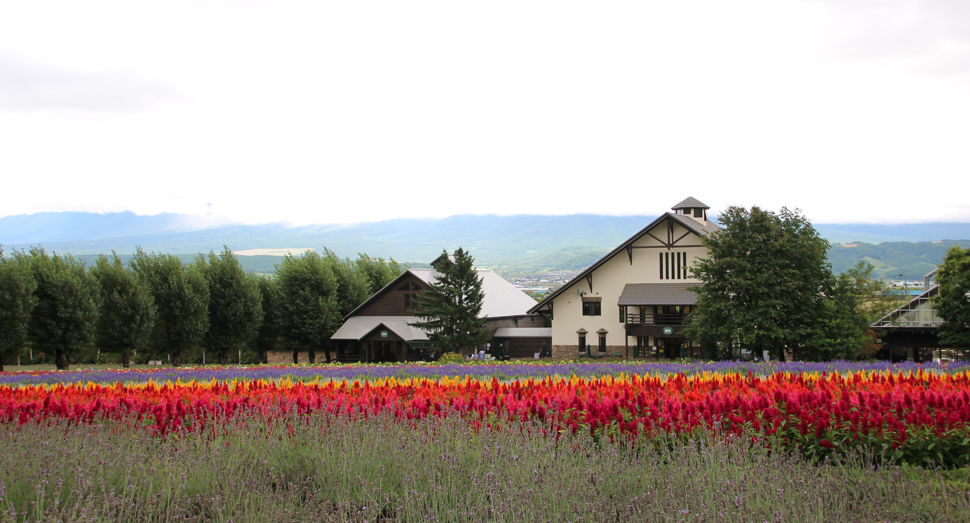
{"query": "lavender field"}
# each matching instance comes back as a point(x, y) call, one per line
point(615, 442)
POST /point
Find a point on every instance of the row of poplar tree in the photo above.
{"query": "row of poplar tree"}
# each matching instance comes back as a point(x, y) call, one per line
point(165, 309)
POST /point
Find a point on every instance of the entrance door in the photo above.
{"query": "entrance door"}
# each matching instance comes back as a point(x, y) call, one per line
point(670, 347)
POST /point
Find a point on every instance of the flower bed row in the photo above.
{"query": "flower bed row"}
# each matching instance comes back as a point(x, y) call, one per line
point(914, 416)
point(501, 370)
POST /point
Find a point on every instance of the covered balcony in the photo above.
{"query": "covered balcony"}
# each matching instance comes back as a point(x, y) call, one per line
point(656, 309)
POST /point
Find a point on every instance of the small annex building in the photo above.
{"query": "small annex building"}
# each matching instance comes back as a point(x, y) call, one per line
point(379, 329)
point(910, 331)
point(634, 299)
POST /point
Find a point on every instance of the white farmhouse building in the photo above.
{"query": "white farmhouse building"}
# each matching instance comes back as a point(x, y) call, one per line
point(634, 296)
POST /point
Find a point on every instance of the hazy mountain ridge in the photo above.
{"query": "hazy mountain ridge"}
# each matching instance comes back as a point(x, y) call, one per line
point(509, 243)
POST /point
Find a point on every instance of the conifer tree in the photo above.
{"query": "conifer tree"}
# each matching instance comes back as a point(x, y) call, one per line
point(450, 310)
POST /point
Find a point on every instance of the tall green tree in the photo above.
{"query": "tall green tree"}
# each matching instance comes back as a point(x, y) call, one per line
point(62, 322)
point(377, 271)
point(765, 278)
point(235, 305)
point(842, 330)
point(181, 295)
point(268, 337)
point(309, 310)
point(953, 301)
point(353, 285)
point(127, 308)
point(450, 310)
point(17, 301)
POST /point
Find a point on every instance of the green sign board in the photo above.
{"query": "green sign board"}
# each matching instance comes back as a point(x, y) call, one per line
point(668, 330)
point(384, 334)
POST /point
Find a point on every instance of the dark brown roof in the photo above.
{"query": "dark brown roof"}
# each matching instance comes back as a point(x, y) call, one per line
point(691, 224)
point(658, 294)
point(690, 203)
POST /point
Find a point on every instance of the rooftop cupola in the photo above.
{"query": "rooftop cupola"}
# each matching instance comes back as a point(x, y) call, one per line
point(693, 208)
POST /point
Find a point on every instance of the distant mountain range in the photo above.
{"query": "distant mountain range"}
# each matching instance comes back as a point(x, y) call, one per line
point(511, 244)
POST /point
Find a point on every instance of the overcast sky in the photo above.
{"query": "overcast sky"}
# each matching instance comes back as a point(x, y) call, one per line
point(324, 111)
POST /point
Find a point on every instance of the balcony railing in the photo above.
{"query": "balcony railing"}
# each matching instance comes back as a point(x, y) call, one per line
point(656, 319)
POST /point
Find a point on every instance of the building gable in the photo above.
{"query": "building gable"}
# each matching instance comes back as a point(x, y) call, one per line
point(397, 297)
point(661, 245)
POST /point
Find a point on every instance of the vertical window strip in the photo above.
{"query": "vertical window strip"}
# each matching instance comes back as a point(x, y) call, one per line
point(677, 255)
point(661, 265)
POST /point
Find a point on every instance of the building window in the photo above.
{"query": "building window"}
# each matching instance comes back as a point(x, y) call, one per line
point(673, 265)
point(602, 343)
point(410, 302)
point(592, 306)
point(622, 314)
point(698, 213)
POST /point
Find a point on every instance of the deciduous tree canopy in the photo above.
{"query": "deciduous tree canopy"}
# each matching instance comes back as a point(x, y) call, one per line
point(309, 306)
point(765, 279)
point(181, 295)
point(16, 303)
point(127, 308)
point(62, 321)
point(953, 301)
point(235, 305)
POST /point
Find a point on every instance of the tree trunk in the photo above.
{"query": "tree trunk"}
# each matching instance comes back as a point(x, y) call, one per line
point(223, 357)
point(177, 358)
point(327, 353)
point(61, 360)
point(296, 357)
point(126, 359)
point(311, 356)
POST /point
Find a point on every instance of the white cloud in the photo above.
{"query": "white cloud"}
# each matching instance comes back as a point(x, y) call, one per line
point(323, 112)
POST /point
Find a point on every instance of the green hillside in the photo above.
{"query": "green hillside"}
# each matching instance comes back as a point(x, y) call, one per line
point(891, 259)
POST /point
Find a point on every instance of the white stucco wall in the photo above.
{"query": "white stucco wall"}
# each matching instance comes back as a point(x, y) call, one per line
point(608, 282)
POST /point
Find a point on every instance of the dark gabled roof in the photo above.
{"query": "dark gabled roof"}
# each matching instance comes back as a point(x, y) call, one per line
point(658, 294)
point(690, 203)
point(428, 276)
point(693, 225)
point(502, 299)
point(700, 229)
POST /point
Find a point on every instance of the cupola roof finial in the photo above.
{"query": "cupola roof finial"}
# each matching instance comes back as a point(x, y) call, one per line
point(690, 203)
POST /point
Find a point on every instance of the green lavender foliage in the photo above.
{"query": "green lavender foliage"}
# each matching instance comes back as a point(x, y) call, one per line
point(322, 468)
